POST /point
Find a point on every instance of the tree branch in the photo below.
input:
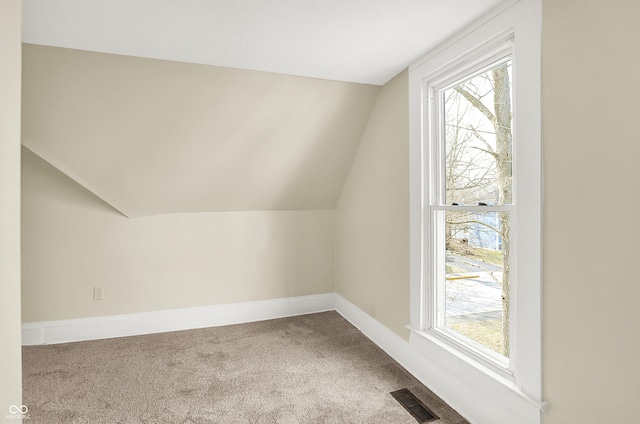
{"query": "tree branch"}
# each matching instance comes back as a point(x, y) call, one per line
point(474, 222)
point(495, 155)
point(476, 102)
point(485, 142)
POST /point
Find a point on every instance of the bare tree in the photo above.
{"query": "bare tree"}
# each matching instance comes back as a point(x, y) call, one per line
point(469, 173)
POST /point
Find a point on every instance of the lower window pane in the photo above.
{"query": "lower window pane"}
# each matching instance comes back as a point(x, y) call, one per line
point(476, 279)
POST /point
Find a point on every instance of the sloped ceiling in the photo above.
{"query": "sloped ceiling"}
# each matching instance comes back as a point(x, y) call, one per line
point(365, 41)
point(172, 106)
point(154, 137)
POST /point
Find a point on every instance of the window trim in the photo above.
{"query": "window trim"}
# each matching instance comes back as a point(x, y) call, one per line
point(520, 20)
point(473, 63)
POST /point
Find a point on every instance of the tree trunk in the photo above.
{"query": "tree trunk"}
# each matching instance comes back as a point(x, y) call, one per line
point(504, 150)
point(500, 118)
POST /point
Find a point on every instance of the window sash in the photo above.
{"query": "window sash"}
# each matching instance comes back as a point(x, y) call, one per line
point(434, 310)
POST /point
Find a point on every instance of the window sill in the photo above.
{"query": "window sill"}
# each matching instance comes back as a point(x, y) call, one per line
point(487, 378)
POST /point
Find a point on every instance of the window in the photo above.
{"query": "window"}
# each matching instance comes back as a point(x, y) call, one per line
point(475, 172)
point(471, 204)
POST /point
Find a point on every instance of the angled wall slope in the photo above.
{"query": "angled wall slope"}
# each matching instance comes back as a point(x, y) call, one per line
point(372, 217)
point(153, 137)
point(232, 177)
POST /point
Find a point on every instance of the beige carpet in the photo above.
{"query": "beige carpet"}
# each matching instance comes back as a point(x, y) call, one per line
point(313, 368)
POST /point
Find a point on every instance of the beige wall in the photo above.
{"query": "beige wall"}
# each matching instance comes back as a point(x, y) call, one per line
point(591, 341)
point(372, 222)
point(154, 137)
point(72, 241)
point(591, 63)
point(10, 64)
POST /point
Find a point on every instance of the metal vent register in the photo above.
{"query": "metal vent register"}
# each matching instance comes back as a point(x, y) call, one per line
point(413, 405)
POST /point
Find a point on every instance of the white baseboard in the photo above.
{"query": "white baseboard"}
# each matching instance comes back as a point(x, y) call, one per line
point(73, 330)
point(471, 401)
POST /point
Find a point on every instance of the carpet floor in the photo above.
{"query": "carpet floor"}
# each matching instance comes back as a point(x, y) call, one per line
point(314, 368)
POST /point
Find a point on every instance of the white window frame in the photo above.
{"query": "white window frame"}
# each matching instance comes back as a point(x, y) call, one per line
point(512, 390)
point(433, 195)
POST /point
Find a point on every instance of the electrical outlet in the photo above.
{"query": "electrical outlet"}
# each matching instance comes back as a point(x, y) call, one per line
point(98, 293)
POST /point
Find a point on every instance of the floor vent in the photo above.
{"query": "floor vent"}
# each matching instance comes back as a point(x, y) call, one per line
point(413, 405)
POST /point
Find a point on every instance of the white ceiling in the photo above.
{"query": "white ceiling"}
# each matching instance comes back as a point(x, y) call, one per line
point(365, 41)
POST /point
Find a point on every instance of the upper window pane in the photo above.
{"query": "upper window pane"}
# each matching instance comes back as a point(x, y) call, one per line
point(478, 141)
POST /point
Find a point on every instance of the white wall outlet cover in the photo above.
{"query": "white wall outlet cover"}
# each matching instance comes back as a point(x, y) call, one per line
point(98, 293)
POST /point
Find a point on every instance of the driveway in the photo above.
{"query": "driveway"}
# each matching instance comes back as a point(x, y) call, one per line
point(475, 298)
